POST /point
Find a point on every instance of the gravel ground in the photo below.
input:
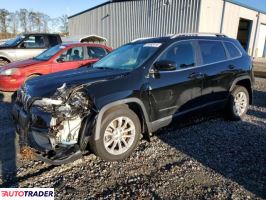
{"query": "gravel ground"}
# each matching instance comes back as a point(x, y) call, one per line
point(197, 158)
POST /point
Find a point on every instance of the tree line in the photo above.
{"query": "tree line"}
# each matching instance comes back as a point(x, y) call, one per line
point(24, 20)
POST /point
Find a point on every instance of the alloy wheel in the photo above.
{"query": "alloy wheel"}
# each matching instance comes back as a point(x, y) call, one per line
point(119, 135)
point(240, 103)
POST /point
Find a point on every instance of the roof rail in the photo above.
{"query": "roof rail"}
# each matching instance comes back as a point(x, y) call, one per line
point(139, 39)
point(199, 34)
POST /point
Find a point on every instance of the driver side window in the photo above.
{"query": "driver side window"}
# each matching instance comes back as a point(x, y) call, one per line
point(182, 53)
point(71, 55)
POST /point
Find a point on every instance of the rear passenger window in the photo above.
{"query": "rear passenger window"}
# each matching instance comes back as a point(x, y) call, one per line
point(232, 50)
point(53, 40)
point(182, 53)
point(212, 51)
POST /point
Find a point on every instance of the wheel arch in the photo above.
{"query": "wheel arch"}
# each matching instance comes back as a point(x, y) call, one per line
point(134, 104)
point(32, 75)
point(5, 58)
point(246, 82)
point(35, 74)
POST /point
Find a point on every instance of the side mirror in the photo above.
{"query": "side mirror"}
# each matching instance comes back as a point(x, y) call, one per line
point(165, 65)
point(60, 60)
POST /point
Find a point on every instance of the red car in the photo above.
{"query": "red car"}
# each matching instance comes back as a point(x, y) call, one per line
point(58, 58)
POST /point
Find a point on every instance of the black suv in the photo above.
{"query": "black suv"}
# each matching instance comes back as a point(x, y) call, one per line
point(136, 89)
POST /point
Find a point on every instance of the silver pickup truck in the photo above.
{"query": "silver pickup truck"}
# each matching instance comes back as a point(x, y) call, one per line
point(26, 46)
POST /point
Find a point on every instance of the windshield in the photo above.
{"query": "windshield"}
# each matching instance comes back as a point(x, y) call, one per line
point(49, 53)
point(15, 41)
point(128, 57)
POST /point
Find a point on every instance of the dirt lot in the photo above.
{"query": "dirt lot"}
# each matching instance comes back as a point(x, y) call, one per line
point(201, 158)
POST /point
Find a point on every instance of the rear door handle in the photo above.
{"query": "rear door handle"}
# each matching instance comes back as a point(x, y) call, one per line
point(196, 75)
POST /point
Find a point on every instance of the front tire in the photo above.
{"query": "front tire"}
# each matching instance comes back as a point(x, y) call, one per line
point(119, 134)
point(238, 103)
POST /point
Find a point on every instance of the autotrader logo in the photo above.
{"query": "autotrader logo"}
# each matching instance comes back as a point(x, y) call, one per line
point(26, 193)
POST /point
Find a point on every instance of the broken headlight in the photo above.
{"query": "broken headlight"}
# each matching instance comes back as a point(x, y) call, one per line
point(76, 105)
point(65, 103)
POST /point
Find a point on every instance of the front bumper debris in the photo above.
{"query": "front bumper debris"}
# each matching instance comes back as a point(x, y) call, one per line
point(35, 141)
point(27, 153)
point(54, 128)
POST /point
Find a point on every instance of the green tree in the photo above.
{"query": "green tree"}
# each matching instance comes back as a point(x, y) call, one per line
point(4, 20)
point(23, 17)
point(14, 22)
point(63, 24)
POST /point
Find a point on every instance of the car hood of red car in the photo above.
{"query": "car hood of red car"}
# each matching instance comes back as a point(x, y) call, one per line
point(21, 64)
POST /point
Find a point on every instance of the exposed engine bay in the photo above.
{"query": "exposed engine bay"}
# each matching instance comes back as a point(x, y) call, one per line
point(67, 108)
point(56, 122)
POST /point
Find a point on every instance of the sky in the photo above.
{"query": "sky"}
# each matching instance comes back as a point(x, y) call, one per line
point(53, 8)
point(56, 8)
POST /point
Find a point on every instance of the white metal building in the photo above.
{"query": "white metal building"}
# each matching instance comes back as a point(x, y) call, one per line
point(121, 21)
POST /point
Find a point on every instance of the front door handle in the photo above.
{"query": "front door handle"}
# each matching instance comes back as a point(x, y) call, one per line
point(196, 75)
point(232, 67)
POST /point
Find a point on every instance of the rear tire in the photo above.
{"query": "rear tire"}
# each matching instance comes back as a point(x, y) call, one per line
point(119, 135)
point(238, 103)
point(3, 62)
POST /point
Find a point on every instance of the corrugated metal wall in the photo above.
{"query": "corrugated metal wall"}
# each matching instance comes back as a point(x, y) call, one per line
point(122, 22)
point(211, 20)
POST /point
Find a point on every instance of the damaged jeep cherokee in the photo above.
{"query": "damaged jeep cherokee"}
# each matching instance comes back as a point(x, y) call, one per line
point(133, 91)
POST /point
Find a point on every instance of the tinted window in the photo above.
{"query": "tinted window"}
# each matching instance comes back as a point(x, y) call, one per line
point(182, 53)
point(34, 42)
point(96, 52)
point(53, 40)
point(73, 54)
point(212, 51)
point(233, 51)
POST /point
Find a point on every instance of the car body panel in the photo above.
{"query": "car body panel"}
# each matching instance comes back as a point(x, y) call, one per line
point(22, 54)
point(173, 92)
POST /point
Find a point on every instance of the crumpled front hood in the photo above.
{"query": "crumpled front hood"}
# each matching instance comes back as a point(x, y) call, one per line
point(46, 86)
point(21, 64)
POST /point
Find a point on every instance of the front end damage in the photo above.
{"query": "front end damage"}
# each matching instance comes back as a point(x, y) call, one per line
point(58, 128)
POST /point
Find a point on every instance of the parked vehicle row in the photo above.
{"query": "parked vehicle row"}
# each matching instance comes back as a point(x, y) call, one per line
point(136, 89)
point(57, 58)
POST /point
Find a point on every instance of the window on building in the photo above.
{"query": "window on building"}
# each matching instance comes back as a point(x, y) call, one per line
point(73, 54)
point(212, 51)
point(182, 54)
point(232, 50)
point(96, 52)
